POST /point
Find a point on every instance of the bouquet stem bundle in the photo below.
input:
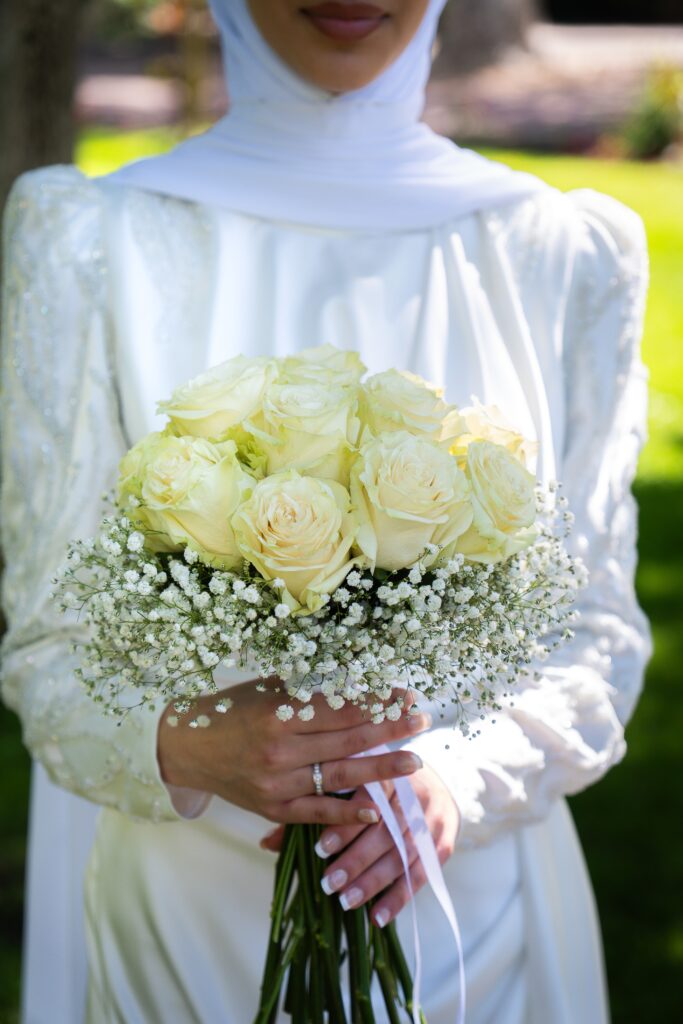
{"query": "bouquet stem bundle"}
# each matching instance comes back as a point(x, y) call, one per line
point(310, 939)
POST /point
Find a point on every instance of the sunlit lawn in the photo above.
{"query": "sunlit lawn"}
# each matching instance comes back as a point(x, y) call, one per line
point(631, 822)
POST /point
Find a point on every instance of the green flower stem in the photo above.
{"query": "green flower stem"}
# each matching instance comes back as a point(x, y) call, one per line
point(306, 948)
point(275, 967)
point(364, 964)
point(400, 967)
point(296, 1001)
point(332, 974)
point(309, 902)
point(306, 878)
point(398, 961)
point(271, 992)
point(386, 978)
point(327, 933)
point(354, 922)
point(316, 985)
point(353, 970)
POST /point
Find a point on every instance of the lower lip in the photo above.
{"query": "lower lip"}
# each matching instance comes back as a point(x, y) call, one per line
point(342, 30)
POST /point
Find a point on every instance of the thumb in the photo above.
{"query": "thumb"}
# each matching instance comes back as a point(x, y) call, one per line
point(273, 840)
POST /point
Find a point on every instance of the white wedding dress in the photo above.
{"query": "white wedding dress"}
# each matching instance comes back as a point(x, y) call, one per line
point(113, 297)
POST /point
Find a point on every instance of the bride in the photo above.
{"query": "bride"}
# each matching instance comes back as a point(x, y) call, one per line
point(318, 211)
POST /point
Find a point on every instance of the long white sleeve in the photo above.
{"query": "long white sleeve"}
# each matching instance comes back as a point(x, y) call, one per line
point(61, 441)
point(567, 729)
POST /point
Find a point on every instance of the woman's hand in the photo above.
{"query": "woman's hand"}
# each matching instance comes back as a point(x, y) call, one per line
point(369, 862)
point(251, 758)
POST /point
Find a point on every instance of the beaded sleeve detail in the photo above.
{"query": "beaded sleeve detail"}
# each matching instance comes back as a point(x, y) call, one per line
point(566, 729)
point(61, 442)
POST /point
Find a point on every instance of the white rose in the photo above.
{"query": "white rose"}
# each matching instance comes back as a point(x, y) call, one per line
point(323, 364)
point(249, 451)
point(503, 504)
point(408, 493)
point(132, 468)
point(311, 427)
point(189, 489)
point(399, 400)
point(219, 399)
point(487, 423)
point(298, 529)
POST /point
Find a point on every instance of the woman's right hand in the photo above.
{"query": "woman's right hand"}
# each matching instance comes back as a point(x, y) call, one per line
point(250, 758)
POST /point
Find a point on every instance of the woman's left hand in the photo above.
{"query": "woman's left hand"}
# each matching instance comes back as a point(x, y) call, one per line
point(369, 863)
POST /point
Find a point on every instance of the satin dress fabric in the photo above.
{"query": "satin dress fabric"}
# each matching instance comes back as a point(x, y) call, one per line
point(114, 296)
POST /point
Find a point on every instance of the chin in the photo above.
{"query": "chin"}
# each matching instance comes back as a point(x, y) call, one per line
point(342, 84)
point(342, 75)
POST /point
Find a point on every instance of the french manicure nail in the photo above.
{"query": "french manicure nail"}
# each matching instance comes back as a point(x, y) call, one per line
point(368, 816)
point(327, 845)
point(351, 899)
point(381, 917)
point(334, 881)
point(408, 762)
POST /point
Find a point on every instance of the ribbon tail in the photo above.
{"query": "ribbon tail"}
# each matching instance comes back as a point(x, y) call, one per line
point(424, 844)
point(390, 820)
point(422, 837)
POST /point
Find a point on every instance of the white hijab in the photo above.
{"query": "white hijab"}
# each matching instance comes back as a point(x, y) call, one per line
point(290, 151)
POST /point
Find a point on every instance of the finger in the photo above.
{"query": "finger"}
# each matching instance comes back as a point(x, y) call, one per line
point(337, 744)
point(350, 773)
point(333, 840)
point(381, 874)
point(322, 810)
point(273, 840)
point(347, 717)
point(398, 895)
point(360, 855)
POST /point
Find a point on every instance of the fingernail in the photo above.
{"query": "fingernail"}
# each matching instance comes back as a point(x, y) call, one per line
point(327, 845)
point(351, 899)
point(419, 723)
point(408, 762)
point(381, 917)
point(368, 816)
point(334, 881)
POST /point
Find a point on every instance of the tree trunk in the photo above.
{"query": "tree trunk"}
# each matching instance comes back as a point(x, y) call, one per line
point(38, 52)
point(474, 33)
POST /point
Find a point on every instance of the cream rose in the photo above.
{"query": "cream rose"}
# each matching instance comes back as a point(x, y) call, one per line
point(323, 364)
point(249, 451)
point(408, 492)
point(132, 468)
point(310, 426)
point(188, 489)
point(298, 529)
point(487, 423)
point(503, 504)
point(219, 399)
point(399, 400)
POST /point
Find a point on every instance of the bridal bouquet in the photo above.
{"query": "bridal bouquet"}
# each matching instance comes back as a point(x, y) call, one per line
point(344, 535)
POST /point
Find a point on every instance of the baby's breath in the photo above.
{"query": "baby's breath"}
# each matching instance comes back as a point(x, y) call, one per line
point(464, 632)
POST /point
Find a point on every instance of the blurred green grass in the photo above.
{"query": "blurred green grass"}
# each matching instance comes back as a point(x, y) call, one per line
point(630, 822)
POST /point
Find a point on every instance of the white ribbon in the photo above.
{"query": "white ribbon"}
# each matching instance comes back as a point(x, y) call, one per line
point(426, 851)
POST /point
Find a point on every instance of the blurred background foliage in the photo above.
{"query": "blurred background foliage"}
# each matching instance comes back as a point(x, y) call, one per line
point(107, 81)
point(657, 121)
